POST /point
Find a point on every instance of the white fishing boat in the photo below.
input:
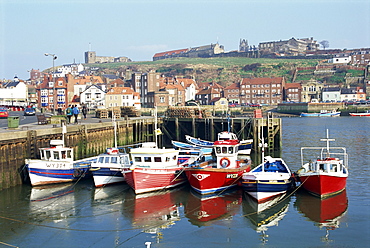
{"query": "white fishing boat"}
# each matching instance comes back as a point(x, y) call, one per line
point(269, 179)
point(56, 165)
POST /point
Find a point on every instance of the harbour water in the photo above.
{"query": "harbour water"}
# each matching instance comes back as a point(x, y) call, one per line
point(78, 215)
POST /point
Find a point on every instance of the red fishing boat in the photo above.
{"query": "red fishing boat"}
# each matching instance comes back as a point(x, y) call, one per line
point(153, 169)
point(219, 174)
point(326, 175)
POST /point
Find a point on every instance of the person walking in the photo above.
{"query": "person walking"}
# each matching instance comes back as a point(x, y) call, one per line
point(76, 111)
point(84, 111)
point(69, 113)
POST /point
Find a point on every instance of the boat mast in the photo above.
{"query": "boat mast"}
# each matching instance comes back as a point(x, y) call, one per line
point(155, 125)
point(115, 128)
point(327, 142)
point(262, 145)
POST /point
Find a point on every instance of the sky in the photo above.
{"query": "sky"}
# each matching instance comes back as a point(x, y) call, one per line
point(140, 28)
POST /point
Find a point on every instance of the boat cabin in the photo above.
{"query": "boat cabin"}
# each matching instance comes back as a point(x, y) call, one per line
point(226, 153)
point(154, 157)
point(56, 152)
point(112, 158)
point(328, 165)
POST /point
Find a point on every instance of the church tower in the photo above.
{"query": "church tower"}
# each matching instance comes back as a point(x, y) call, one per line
point(243, 45)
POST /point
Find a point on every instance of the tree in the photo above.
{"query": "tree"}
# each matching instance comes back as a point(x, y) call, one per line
point(324, 43)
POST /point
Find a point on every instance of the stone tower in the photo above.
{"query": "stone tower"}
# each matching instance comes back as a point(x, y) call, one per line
point(90, 57)
point(243, 45)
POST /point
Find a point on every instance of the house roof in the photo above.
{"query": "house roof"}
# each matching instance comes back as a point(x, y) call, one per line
point(169, 53)
point(122, 91)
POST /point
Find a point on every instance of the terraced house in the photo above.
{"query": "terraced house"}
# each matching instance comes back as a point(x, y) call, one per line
point(262, 90)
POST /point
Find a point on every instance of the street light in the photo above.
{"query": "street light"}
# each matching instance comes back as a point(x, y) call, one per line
point(54, 57)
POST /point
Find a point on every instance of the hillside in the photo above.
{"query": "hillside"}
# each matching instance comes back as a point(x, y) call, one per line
point(224, 71)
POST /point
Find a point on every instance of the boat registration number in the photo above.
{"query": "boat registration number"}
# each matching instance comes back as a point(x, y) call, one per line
point(56, 165)
point(232, 176)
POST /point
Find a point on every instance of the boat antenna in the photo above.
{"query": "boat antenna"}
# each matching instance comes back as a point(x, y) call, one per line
point(327, 142)
point(228, 123)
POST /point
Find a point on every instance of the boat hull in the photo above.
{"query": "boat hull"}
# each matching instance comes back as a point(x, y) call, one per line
point(323, 185)
point(212, 180)
point(359, 114)
point(106, 176)
point(41, 176)
point(320, 114)
point(143, 180)
point(263, 190)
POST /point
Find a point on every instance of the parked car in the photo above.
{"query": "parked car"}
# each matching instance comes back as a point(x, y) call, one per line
point(29, 111)
point(4, 112)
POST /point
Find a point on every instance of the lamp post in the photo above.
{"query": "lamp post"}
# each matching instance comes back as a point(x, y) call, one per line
point(54, 57)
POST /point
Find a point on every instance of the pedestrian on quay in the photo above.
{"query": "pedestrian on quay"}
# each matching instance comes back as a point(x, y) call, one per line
point(76, 111)
point(69, 113)
point(84, 111)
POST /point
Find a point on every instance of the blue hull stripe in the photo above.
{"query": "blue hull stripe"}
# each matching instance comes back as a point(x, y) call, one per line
point(264, 187)
point(55, 173)
point(107, 172)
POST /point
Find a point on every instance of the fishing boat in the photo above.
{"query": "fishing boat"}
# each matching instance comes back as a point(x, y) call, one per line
point(186, 146)
point(366, 113)
point(270, 178)
point(107, 168)
point(245, 146)
point(322, 113)
point(326, 175)
point(56, 165)
point(187, 157)
point(221, 173)
point(153, 168)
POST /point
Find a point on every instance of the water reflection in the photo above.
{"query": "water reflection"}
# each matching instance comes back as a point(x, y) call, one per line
point(265, 214)
point(52, 202)
point(153, 212)
point(204, 210)
point(326, 213)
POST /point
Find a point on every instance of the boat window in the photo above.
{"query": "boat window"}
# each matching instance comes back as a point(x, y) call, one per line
point(157, 159)
point(174, 158)
point(321, 167)
point(101, 160)
point(231, 149)
point(167, 159)
point(47, 154)
point(114, 160)
point(56, 155)
point(147, 159)
point(124, 160)
point(106, 160)
point(137, 159)
point(224, 149)
point(63, 154)
point(69, 153)
point(218, 149)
